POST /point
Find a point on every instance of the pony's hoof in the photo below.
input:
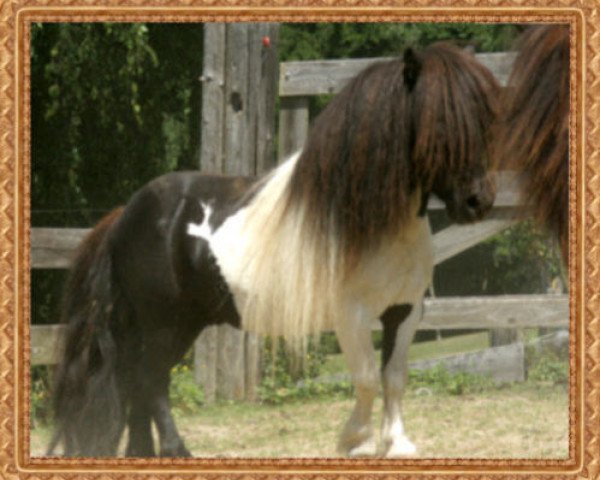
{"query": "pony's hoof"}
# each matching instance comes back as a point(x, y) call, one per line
point(367, 448)
point(177, 451)
point(401, 447)
point(140, 451)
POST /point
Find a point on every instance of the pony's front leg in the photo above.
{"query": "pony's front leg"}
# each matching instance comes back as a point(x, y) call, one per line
point(399, 326)
point(354, 336)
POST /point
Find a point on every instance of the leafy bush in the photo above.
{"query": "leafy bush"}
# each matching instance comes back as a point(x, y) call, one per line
point(329, 344)
point(185, 394)
point(275, 392)
point(441, 381)
point(40, 401)
point(527, 259)
point(288, 377)
point(546, 366)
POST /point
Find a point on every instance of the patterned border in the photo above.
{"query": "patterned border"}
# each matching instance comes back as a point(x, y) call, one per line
point(584, 443)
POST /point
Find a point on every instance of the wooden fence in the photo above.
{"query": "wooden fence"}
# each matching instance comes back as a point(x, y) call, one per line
point(53, 247)
point(442, 313)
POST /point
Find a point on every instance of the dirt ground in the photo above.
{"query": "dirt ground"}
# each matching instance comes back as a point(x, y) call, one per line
point(520, 422)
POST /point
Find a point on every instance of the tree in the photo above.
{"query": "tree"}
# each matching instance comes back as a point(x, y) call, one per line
point(113, 105)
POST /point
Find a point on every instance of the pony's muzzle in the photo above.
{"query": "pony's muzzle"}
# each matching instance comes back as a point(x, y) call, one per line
point(475, 202)
point(480, 200)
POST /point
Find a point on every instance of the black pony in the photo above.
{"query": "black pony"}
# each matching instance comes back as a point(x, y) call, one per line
point(332, 239)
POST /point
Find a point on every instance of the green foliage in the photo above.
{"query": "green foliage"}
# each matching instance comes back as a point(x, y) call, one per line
point(311, 41)
point(441, 381)
point(525, 259)
point(520, 260)
point(113, 105)
point(329, 344)
point(287, 377)
point(40, 401)
point(277, 391)
point(185, 395)
point(304, 41)
point(546, 366)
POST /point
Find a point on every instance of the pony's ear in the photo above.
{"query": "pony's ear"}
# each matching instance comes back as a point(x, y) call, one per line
point(412, 68)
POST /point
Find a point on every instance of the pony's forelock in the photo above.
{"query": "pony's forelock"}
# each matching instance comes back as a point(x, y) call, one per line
point(455, 104)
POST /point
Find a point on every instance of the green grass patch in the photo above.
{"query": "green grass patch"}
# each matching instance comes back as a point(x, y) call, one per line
point(335, 364)
point(448, 346)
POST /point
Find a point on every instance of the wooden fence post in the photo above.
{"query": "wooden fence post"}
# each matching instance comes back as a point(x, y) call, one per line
point(238, 123)
point(293, 125)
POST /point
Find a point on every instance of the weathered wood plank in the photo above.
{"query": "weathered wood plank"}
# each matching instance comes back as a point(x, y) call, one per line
point(46, 344)
point(263, 69)
point(503, 364)
point(54, 247)
point(293, 125)
point(502, 311)
point(245, 118)
point(457, 238)
point(213, 99)
point(449, 313)
point(319, 77)
point(240, 137)
point(231, 375)
point(253, 357)
point(266, 76)
point(205, 362)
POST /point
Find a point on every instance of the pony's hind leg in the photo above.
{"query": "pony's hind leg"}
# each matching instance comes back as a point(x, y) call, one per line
point(150, 401)
point(171, 444)
point(354, 336)
point(140, 442)
point(399, 326)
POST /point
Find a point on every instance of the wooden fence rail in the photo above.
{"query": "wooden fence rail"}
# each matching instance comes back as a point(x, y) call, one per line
point(322, 77)
point(449, 313)
point(54, 247)
point(298, 81)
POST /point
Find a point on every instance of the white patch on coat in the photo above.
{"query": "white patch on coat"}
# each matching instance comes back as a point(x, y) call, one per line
point(201, 230)
point(394, 441)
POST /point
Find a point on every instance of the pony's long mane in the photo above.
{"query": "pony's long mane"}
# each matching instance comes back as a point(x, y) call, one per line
point(533, 135)
point(369, 157)
point(382, 138)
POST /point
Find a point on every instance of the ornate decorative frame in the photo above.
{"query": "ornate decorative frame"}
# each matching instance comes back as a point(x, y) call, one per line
point(584, 269)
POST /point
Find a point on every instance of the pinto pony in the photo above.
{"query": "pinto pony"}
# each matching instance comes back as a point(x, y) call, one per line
point(334, 238)
point(533, 136)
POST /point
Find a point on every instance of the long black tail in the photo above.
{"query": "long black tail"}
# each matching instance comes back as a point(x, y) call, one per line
point(88, 403)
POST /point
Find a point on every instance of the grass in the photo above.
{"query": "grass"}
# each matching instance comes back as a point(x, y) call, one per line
point(448, 346)
point(500, 423)
point(422, 351)
point(508, 422)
